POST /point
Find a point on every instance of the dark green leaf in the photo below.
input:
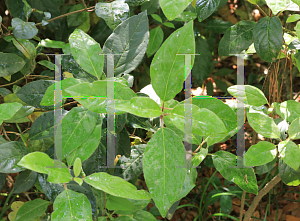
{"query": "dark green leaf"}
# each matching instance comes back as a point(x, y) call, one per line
point(288, 175)
point(32, 210)
point(77, 19)
point(24, 30)
point(122, 142)
point(135, 2)
point(25, 181)
point(10, 64)
point(204, 8)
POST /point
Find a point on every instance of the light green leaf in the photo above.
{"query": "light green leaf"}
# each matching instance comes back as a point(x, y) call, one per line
point(160, 166)
point(204, 8)
point(169, 24)
point(116, 186)
point(7, 110)
point(70, 205)
point(10, 63)
point(167, 68)
point(296, 2)
point(129, 40)
point(268, 38)
point(32, 210)
point(288, 110)
point(293, 18)
point(294, 129)
point(58, 175)
point(260, 154)
point(51, 43)
point(156, 17)
point(77, 166)
point(155, 40)
point(204, 121)
point(47, 64)
point(237, 38)
point(24, 30)
point(11, 154)
point(86, 52)
point(225, 163)
point(199, 157)
point(263, 125)
point(173, 8)
point(289, 153)
point(277, 6)
point(140, 106)
point(253, 96)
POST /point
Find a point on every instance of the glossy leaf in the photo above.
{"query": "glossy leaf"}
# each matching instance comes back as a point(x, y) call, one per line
point(204, 8)
point(22, 29)
point(25, 181)
point(77, 125)
point(117, 203)
point(225, 163)
point(32, 210)
point(260, 154)
point(268, 38)
point(116, 186)
point(288, 110)
point(113, 13)
point(167, 68)
point(293, 18)
point(237, 38)
point(204, 121)
point(289, 153)
point(294, 129)
point(140, 106)
point(77, 19)
point(277, 6)
point(199, 157)
point(48, 43)
point(20, 116)
point(253, 96)
point(7, 110)
point(133, 166)
point(87, 148)
point(77, 167)
point(155, 40)
point(263, 125)
point(58, 175)
point(130, 43)
point(11, 154)
point(288, 175)
point(10, 63)
point(173, 8)
point(33, 92)
point(86, 52)
point(164, 156)
point(70, 205)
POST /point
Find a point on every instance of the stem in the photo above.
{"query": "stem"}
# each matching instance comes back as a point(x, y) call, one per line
point(242, 205)
point(260, 195)
point(290, 32)
point(200, 146)
point(4, 132)
point(64, 15)
point(13, 82)
point(265, 14)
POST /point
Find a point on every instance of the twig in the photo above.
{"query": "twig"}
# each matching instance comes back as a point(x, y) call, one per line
point(13, 82)
point(242, 205)
point(290, 32)
point(265, 14)
point(260, 195)
point(64, 15)
point(4, 132)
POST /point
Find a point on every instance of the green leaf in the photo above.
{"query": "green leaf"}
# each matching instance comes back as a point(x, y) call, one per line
point(7, 110)
point(33, 92)
point(122, 143)
point(260, 154)
point(293, 18)
point(20, 116)
point(237, 38)
point(143, 215)
point(37, 161)
point(253, 96)
point(25, 181)
point(87, 148)
point(224, 72)
point(157, 18)
point(294, 132)
point(277, 6)
point(70, 205)
point(130, 43)
point(32, 210)
point(189, 183)
point(113, 13)
point(167, 68)
point(116, 186)
point(155, 40)
point(77, 125)
point(133, 166)
point(26, 47)
point(218, 26)
point(24, 30)
point(173, 8)
point(288, 175)
point(169, 24)
point(288, 110)
point(204, 8)
point(16, 9)
point(47, 64)
point(117, 203)
point(140, 106)
point(77, 19)
point(225, 204)
point(77, 166)
point(204, 121)
point(296, 2)
point(86, 52)
point(58, 175)
point(11, 154)
point(199, 157)
point(10, 63)
point(263, 125)
point(268, 38)
point(289, 153)
point(135, 2)
point(225, 163)
point(160, 166)
point(51, 43)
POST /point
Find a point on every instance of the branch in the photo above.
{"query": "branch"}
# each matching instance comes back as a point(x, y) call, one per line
point(64, 15)
point(260, 195)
